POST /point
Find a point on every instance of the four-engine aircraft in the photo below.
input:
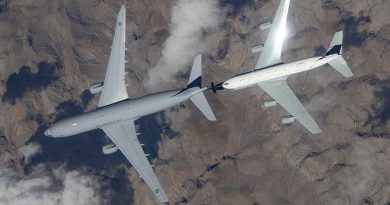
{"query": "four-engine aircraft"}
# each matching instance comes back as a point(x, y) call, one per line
point(116, 113)
point(271, 73)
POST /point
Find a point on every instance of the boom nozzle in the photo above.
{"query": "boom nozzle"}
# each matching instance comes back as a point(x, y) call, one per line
point(216, 87)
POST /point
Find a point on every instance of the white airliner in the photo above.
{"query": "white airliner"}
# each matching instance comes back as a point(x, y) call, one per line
point(116, 113)
point(271, 73)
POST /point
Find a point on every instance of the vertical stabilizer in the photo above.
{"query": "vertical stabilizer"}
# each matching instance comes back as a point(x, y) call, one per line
point(196, 73)
point(336, 48)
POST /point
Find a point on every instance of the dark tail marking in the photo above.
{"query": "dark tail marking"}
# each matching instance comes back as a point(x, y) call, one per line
point(335, 50)
point(195, 83)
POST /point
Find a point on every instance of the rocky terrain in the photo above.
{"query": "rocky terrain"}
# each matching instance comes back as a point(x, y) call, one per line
point(50, 51)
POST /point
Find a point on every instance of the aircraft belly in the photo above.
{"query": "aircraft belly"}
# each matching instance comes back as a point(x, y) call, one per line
point(278, 71)
point(132, 109)
point(312, 63)
point(147, 107)
point(244, 86)
point(296, 67)
point(79, 124)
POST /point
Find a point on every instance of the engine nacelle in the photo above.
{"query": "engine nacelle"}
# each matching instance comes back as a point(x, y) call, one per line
point(270, 103)
point(266, 25)
point(109, 149)
point(288, 120)
point(96, 88)
point(257, 48)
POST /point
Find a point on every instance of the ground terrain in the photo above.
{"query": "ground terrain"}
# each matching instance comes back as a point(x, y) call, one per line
point(50, 51)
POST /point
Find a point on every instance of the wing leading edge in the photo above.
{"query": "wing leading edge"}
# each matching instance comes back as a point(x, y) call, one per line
point(125, 137)
point(114, 88)
point(272, 51)
point(284, 96)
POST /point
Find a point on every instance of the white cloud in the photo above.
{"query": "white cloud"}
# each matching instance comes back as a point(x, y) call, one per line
point(190, 18)
point(46, 184)
point(366, 172)
point(29, 150)
point(80, 189)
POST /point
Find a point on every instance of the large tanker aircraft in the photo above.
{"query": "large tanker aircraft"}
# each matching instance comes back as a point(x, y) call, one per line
point(116, 113)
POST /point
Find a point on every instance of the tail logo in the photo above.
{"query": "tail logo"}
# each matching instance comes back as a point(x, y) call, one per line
point(335, 50)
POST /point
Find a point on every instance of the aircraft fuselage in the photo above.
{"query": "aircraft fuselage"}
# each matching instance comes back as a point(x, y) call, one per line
point(130, 109)
point(275, 72)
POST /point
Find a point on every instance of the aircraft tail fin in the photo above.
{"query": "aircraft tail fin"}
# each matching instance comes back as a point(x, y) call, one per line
point(198, 99)
point(196, 73)
point(336, 47)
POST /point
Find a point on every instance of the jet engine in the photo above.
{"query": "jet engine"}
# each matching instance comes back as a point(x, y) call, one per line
point(96, 88)
point(266, 25)
point(257, 48)
point(109, 149)
point(269, 103)
point(288, 120)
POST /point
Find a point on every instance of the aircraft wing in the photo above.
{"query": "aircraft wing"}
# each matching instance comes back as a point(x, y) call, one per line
point(272, 51)
point(284, 96)
point(125, 137)
point(114, 88)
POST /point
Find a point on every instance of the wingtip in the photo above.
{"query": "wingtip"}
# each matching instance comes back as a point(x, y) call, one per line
point(318, 131)
point(213, 119)
point(122, 9)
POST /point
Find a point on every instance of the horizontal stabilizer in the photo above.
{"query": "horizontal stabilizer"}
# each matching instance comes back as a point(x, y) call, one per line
point(341, 66)
point(200, 101)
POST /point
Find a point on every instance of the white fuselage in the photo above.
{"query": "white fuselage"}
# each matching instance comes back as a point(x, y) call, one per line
point(275, 72)
point(120, 112)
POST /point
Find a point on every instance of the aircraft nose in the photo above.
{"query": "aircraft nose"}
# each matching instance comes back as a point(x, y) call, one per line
point(47, 132)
